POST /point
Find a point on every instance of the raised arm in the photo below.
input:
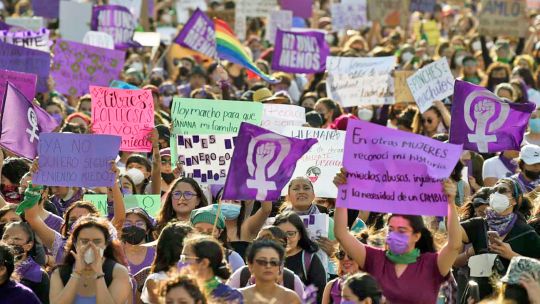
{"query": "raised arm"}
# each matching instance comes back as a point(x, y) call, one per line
point(118, 200)
point(156, 164)
point(448, 254)
point(254, 223)
point(354, 248)
point(44, 232)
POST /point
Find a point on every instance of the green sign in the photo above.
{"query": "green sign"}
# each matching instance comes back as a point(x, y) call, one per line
point(150, 203)
point(99, 200)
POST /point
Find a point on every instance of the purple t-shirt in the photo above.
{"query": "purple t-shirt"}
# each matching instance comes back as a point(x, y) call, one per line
point(13, 292)
point(54, 222)
point(150, 254)
point(405, 289)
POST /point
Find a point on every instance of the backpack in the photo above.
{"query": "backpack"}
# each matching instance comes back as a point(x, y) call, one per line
point(288, 278)
point(108, 267)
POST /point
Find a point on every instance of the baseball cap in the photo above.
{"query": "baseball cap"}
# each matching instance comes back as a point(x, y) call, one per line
point(530, 154)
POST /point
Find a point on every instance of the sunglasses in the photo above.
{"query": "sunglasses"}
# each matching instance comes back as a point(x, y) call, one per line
point(340, 255)
point(186, 194)
point(265, 263)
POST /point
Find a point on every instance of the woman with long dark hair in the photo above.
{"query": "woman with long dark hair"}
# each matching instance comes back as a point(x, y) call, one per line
point(9, 288)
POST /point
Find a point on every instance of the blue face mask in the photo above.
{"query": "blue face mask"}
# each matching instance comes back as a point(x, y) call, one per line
point(534, 124)
point(230, 211)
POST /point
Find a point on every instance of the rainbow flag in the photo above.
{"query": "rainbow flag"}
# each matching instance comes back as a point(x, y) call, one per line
point(229, 48)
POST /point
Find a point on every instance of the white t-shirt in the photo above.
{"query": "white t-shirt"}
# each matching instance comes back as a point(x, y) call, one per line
point(493, 167)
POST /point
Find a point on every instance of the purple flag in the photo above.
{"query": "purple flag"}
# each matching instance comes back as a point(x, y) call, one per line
point(25, 82)
point(22, 123)
point(300, 8)
point(76, 66)
point(46, 8)
point(4, 26)
point(198, 34)
point(262, 163)
point(483, 122)
point(300, 52)
point(117, 21)
point(21, 59)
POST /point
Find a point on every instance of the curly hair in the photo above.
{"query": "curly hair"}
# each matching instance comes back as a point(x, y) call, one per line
point(188, 284)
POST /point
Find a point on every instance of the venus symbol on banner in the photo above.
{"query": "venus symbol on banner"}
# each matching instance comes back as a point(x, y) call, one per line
point(33, 121)
point(484, 111)
point(260, 171)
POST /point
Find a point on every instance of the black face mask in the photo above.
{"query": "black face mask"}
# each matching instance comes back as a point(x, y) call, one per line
point(168, 177)
point(183, 71)
point(532, 175)
point(133, 235)
point(497, 81)
point(18, 251)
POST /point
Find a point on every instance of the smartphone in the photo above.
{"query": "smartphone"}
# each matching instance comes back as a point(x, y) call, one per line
point(492, 235)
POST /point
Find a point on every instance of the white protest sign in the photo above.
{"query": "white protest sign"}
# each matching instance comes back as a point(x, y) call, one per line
point(167, 34)
point(134, 6)
point(433, 82)
point(354, 81)
point(99, 39)
point(256, 8)
point(316, 224)
point(147, 38)
point(29, 39)
point(183, 8)
point(321, 163)
point(240, 25)
point(206, 158)
point(74, 20)
point(349, 15)
point(276, 117)
point(278, 19)
point(30, 23)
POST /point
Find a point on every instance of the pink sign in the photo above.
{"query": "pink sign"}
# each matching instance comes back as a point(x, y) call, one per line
point(24, 82)
point(128, 113)
point(395, 171)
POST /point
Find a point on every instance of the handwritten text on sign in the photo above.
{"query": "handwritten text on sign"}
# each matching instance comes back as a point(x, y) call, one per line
point(508, 16)
point(395, 171)
point(128, 113)
point(433, 82)
point(360, 81)
point(206, 158)
point(349, 15)
point(202, 116)
point(276, 117)
point(29, 39)
point(76, 160)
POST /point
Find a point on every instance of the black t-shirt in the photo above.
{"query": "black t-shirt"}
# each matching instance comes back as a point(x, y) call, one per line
point(316, 274)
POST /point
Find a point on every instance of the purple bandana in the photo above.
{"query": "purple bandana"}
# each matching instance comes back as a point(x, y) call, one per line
point(508, 163)
point(500, 223)
point(30, 270)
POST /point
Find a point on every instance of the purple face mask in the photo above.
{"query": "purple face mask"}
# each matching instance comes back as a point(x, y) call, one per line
point(397, 242)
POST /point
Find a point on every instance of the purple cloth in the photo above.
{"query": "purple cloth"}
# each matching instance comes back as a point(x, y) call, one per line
point(46, 8)
point(524, 185)
point(62, 205)
point(509, 164)
point(13, 292)
point(117, 21)
point(424, 272)
point(300, 8)
point(54, 222)
point(335, 291)
point(21, 59)
point(500, 223)
point(225, 293)
point(25, 82)
point(23, 123)
point(483, 122)
point(263, 163)
point(150, 254)
point(29, 270)
point(199, 35)
point(300, 51)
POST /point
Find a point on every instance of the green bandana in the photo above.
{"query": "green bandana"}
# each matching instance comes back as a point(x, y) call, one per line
point(211, 284)
point(32, 195)
point(406, 258)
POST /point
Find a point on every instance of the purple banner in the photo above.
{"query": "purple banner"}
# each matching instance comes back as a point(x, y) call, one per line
point(76, 160)
point(263, 163)
point(46, 8)
point(20, 59)
point(300, 8)
point(300, 52)
point(426, 6)
point(22, 123)
point(483, 122)
point(76, 66)
point(198, 34)
point(117, 21)
point(394, 171)
point(26, 83)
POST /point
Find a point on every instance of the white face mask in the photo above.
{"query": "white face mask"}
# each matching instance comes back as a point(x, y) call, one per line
point(136, 175)
point(476, 46)
point(407, 56)
point(365, 114)
point(499, 202)
point(137, 66)
point(89, 255)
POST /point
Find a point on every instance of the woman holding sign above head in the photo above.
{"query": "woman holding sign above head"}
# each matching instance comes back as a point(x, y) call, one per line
point(145, 174)
point(436, 119)
point(410, 259)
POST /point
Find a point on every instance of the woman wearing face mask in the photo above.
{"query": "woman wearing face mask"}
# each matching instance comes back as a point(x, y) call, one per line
point(9, 288)
point(137, 231)
point(329, 110)
point(533, 135)
point(146, 175)
point(346, 267)
point(93, 269)
point(56, 109)
point(168, 175)
point(361, 288)
point(20, 237)
point(365, 113)
point(13, 169)
point(529, 166)
point(470, 71)
point(411, 255)
point(497, 73)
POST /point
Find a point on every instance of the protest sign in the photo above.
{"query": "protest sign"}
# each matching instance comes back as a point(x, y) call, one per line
point(46, 8)
point(278, 20)
point(321, 163)
point(167, 34)
point(255, 8)
point(29, 23)
point(316, 224)
point(76, 66)
point(360, 81)
point(300, 8)
point(349, 15)
point(29, 39)
point(393, 171)
point(205, 158)
point(150, 203)
point(75, 18)
point(128, 113)
point(24, 82)
point(389, 12)
point(76, 160)
point(202, 116)
point(134, 6)
point(116, 21)
point(185, 8)
point(99, 39)
point(198, 34)
point(402, 91)
point(23, 122)
point(508, 16)
point(300, 51)
point(150, 39)
point(276, 117)
point(483, 122)
point(99, 201)
point(428, 29)
point(433, 82)
point(426, 6)
point(533, 4)
point(20, 59)
point(263, 163)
